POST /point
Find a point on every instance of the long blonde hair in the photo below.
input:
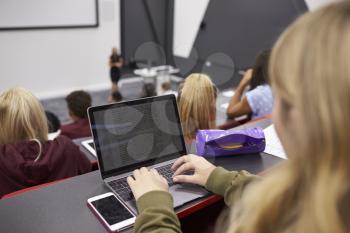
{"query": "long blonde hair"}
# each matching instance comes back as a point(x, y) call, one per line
point(197, 104)
point(21, 117)
point(310, 72)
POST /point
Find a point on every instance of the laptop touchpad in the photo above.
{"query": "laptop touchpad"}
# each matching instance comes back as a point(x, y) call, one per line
point(183, 193)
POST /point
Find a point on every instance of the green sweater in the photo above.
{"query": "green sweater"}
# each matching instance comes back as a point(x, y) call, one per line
point(156, 213)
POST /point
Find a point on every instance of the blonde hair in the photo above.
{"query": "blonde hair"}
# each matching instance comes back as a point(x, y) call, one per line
point(21, 117)
point(310, 72)
point(197, 104)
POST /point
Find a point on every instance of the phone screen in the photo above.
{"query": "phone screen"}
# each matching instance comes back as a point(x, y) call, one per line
point(112, 210)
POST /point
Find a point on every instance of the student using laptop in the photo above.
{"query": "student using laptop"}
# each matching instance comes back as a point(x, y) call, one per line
point(143, 132)
point(27, 157)
point(310, 192)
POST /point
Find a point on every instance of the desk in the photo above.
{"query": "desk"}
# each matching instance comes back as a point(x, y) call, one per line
point(62, 207)
point(157, 75)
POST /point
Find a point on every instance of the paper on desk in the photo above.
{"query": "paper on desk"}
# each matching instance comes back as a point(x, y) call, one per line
point(229, 93)
point(273, 144)
point(224, 106)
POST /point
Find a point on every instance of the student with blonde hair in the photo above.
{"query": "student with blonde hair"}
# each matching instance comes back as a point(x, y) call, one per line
point(310, 192)
point(27, 157)
point(197, 104)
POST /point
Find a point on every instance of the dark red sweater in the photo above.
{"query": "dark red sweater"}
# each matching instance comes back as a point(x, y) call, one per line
point(77, 129)
point(60, 158)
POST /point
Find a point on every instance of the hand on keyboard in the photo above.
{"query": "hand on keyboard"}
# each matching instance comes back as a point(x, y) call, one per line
point(198, 166)
point(145, 181)
point(167, 173)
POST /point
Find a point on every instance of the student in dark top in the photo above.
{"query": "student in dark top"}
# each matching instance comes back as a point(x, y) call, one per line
point(115, 63)
point(77, 103)
point(27, 157)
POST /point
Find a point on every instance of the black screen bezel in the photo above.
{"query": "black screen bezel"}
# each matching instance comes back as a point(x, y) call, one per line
point(105, 174)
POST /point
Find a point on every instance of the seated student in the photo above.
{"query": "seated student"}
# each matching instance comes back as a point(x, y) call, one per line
point(78, 103)
point(27, 157)
point(258, 101)
point(310, 192)
point(115, 97)
point(166, 89)
point(197, 104)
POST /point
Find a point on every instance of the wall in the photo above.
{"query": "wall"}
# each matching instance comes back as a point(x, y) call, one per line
point(189, 14)
point(187, 18)
point(314, 4)
point(54, 62)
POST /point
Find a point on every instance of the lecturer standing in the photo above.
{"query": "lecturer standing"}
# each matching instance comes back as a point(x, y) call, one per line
point(115, 63)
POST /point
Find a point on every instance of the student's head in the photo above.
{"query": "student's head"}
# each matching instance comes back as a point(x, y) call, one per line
point(114, 50)
point(21, 117)
point(260, 74)
point(78, 103)
point(115, 97)
point(197, 104)
point(166, 86)
point(310, 77)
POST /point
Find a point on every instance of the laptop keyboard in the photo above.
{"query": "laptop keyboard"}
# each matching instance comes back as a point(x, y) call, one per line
point(121, 186)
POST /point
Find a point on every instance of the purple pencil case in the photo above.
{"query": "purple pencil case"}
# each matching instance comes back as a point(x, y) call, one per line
point(212, 143)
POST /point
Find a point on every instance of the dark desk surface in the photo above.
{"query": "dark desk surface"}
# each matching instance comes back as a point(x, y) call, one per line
point(62, 207)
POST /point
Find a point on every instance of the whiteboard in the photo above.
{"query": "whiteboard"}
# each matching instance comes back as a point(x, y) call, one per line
point(25, 14)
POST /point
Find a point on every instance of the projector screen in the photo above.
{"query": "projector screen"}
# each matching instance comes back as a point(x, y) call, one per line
point(37, 14)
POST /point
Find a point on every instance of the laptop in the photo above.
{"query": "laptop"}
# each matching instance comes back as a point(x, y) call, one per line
point(140, 133)
point(89, 145)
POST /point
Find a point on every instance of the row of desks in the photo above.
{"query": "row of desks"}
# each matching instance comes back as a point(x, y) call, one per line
point(62, 207)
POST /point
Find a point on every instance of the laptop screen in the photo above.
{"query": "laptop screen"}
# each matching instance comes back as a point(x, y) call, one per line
point(136, 133)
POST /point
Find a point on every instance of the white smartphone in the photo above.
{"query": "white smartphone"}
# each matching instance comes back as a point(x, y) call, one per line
point(113, 214)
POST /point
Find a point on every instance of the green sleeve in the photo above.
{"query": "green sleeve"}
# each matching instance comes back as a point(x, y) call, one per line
point(156, 214)
point(230, 185)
